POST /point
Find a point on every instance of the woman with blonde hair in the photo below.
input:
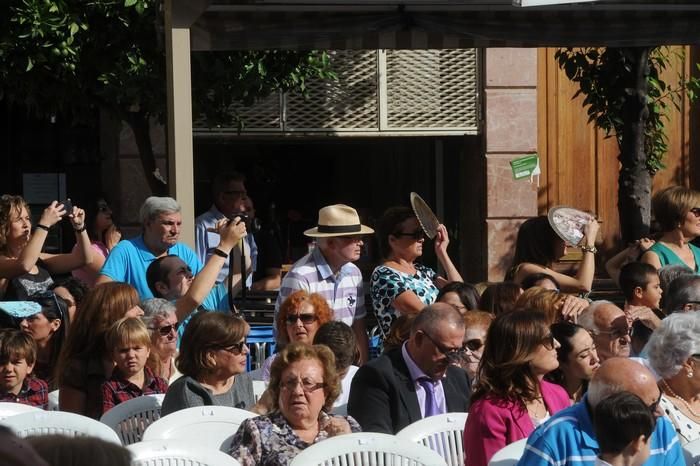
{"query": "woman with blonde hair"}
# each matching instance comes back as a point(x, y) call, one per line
point(24, 268)
point(85, 362)
point(677, 211)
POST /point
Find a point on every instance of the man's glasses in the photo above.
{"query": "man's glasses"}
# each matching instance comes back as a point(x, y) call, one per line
point(616, 333)
point(549, 342)
point(453, 355)
point(307, 385)
point(655, 405)
point(417, 235)
point(474, 344)
point(236, 348)
point(236, 193)
point(306, 319)
point(165, 330)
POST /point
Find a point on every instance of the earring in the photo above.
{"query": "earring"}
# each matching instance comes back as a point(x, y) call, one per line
point(690, 374)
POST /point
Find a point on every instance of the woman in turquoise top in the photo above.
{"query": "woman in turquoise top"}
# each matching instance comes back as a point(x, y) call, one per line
point(677, 211)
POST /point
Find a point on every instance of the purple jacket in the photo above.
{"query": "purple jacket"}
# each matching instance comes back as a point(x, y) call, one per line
point(494, 423)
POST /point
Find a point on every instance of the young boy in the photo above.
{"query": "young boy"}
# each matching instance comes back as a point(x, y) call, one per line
point(17, 358)
point(623, 426)
point(640, 284)
point(129, 343)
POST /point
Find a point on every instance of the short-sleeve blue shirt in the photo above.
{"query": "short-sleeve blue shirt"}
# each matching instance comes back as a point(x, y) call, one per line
point(129, 259)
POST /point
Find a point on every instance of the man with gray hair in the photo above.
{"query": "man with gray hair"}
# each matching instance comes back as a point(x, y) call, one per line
point(609, 328)
point(683, 295)
point(160, 222)
point(568, 438)
point(417, 380)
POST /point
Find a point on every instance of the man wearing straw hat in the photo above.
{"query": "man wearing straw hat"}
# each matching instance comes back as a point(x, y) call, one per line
point(329, 270)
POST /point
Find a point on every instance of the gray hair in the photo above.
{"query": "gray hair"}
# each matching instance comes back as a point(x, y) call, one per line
point(668, 273)
point(587, 318)
point(154, 206)
point(673, 342)
point(156, 308)
point(436, 315)
point(681, 291)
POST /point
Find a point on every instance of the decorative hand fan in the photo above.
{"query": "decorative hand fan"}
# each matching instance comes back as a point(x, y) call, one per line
point(569, 223)
point(427, 219)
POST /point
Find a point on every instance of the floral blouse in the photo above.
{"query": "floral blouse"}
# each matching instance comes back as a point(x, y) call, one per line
point(270, 441)
point(387, 284)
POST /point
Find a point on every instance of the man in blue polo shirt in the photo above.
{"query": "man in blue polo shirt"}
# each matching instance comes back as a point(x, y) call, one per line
point(568, 438)
point(161, 222)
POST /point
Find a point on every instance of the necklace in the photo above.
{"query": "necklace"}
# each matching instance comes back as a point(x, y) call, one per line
point(534, 408)
point(668, 389)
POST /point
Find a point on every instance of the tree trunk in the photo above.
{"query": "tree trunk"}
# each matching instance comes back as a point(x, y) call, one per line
point(634, 183)
point(141, 126)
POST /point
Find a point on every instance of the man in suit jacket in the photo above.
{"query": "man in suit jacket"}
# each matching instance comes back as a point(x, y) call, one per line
point(417, 380)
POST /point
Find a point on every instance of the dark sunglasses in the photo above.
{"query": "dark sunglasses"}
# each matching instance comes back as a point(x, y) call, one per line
point(236, 348)
point(166, 329)
point(696, 211)
point(548, 342)
point(305, 318)
point(473, 345)
point(417, 235)
point(453, 356)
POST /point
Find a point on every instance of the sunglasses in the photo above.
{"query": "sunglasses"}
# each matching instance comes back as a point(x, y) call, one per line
point(165, 330)
point(306, 319)
point(417, 235)
point(453, 356)
point(236, 348)
point(655, 405)
point(549, 342)
point(696, 211)
point(473, 345)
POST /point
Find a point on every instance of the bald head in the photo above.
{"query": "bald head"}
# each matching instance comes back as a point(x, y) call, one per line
point(622, 374)
point(438, 329)
point(436, 316)
point(608, 325)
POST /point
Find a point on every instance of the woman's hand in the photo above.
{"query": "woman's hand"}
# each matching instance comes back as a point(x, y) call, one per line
point(590, 232)
point(112, 236)
point(231, 232)
point(442, 240)
point(337, 426)
point(638, 248)
point(572, 307)
point(52, 214)
point(77, 218)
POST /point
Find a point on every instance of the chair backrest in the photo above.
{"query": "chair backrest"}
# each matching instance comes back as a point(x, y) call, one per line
point(173, 452)
point(259, 387)
point(210, 426)
point(60, 423)
point(442, 433)
point(367, 448)
point(691, 451)
point(261, 342)
point(509, 455)
point(53, 400)
point(8, 409)
point(130, 418)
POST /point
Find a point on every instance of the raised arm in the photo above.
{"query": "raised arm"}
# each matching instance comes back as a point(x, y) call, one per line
point(27, 258)
point(231, 232)
point(442, 240)
point(629, 254)
point(81, 255)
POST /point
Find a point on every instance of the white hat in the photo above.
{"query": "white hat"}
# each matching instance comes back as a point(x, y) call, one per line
point(338, 220)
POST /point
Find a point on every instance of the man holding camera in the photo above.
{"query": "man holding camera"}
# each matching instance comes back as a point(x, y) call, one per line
point(230, 196)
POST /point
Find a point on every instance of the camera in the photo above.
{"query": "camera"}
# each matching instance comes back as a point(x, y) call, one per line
point(252, 225)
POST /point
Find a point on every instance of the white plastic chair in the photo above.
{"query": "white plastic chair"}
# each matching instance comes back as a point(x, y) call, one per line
point(53, 400)
point(691, 451)
point(61, 423)
point(173, 452)
point(210, 426)
point(130, 418)
point(442, 433)
point(8, 409)
point(367, 448)
point(509, 455)
point(259, 387)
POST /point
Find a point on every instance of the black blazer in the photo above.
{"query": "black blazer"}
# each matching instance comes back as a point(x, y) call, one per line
point(383, 396)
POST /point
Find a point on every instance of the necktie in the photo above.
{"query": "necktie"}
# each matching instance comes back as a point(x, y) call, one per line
point(431, 404)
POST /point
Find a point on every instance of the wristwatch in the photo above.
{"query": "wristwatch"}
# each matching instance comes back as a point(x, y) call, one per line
point(591, 249)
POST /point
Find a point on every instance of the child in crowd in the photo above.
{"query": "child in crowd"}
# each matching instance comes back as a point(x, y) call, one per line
point(129, 344)
point(623, 426)
point(640, 284)
point(17, 358)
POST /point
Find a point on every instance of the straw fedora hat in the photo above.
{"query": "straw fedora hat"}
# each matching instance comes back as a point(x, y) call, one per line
point(338, 220)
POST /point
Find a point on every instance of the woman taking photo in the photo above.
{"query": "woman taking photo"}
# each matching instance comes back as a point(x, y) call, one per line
point(674, 353)
point(400, 285)
point(677, 211)
point(24, 269)
point(511, 397)
point(538, 247)
point(299, 318)
point(85, 361)
point(212, 361)
point(304, 385)
point(578, 359)
point(103, 234)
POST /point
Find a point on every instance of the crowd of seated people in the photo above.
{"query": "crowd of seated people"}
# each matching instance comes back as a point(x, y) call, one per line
point(531, 357)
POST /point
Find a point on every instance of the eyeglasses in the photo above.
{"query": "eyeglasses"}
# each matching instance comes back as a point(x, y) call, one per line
point(306, 319)
point(474, 345)
point(453, 355)
point(655, 405)
point(165, 330)
point(236, 193)
point(417, 235)
point(696, 211)
point(307, 385)
point(549, 342)
point(236, 348)
point(616, 333)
